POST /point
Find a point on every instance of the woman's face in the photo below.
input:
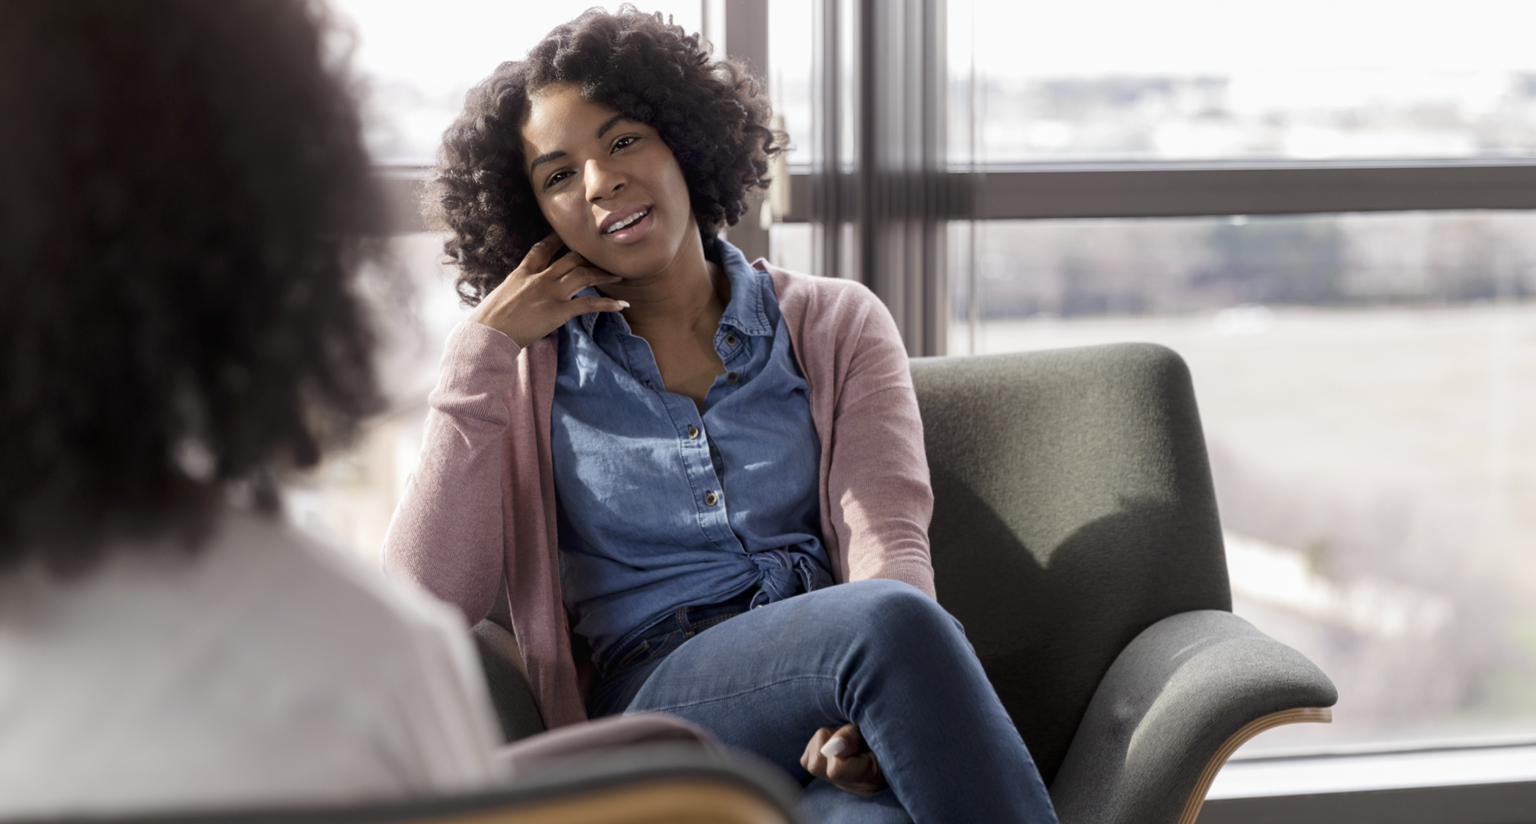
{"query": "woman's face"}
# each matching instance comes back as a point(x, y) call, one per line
point(608, 185)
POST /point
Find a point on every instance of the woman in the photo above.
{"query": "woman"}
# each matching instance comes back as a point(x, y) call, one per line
point(701, 481)
point(183, 196)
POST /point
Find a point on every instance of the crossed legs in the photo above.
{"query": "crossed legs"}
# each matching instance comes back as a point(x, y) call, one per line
point(878, 654)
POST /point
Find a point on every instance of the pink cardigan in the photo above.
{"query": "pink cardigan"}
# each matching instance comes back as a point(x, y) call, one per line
point(481, 505)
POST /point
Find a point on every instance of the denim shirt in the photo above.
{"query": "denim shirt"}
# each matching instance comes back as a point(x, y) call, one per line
point(662, 504)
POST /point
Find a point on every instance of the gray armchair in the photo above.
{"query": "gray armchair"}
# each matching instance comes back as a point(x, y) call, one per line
point(1075, 535)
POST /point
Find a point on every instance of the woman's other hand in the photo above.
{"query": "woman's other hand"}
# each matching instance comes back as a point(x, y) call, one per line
point(841, 757)
point(539, 296)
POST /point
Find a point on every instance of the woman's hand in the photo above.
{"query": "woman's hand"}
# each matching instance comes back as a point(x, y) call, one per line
point(841, 757)
point(538, 296)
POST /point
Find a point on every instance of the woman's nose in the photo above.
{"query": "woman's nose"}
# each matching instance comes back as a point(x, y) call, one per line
point(602, 180)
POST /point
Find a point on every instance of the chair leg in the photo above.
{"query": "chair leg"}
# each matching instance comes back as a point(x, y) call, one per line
point(1318, 715)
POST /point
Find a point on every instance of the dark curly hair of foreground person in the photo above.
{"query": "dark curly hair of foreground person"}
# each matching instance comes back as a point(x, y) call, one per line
point(183, 197)
point(712, 114)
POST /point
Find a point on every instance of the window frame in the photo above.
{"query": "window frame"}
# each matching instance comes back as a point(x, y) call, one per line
point(1047, 191)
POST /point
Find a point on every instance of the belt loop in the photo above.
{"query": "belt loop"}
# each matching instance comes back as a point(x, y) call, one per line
point(682, 620)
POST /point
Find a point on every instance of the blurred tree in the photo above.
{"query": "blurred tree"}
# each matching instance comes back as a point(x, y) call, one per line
point(1277, 260)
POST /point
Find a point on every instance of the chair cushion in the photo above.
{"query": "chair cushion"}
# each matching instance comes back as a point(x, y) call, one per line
point(1073, 508)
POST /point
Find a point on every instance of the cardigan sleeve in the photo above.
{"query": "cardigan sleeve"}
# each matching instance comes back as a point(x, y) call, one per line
point(447, 533)
point(879, 495)
point(876, 499)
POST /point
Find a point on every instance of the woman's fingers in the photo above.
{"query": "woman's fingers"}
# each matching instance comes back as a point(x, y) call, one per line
point(579, 279)
point(595, 303)
point(574, 274)
point(540, 294)
point(844, 743)
point(813, 759)
point(568, 261)
point(541, 253)
point(841, 757)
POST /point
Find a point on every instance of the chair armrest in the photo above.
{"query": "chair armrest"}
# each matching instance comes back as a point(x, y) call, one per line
point(510, 693)
point(575, 743)
point(1174, 704)
point(643, 784)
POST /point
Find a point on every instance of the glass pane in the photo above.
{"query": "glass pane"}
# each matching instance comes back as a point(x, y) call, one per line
point(1366, 385)
point(790, 61)
point(418, 59)
point(790, 246)
point(1214, 79)
point(349, 498)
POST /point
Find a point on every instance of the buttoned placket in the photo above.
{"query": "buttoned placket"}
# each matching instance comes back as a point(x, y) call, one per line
point(701, 460)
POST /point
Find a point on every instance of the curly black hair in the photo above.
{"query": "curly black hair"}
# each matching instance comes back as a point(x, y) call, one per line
point(184, 201)
point(712, 114)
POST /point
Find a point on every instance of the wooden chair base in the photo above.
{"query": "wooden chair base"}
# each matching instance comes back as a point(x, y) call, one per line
point(671, 802)
point(1317, 715)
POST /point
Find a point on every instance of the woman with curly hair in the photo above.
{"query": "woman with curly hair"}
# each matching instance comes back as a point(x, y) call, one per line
point(183, 204)
point(700, 481)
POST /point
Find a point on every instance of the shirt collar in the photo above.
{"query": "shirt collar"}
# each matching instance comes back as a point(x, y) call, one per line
point(744, 313)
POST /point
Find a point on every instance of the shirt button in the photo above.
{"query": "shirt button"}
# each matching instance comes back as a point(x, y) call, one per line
point(732, 377)
point(693, 433)
point(710, 499)
point(730, 340)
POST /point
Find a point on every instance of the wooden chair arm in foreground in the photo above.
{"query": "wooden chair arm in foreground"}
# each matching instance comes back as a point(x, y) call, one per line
point(652, 784)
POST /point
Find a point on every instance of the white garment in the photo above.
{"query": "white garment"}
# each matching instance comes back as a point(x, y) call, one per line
point(264, 670)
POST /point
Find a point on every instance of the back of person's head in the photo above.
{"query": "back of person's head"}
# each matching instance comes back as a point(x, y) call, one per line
point(183, 197)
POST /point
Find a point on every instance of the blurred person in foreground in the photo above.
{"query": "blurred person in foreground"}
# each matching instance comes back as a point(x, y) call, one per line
point(184, 202)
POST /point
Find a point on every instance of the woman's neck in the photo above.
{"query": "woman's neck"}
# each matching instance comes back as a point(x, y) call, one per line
point(685, 299)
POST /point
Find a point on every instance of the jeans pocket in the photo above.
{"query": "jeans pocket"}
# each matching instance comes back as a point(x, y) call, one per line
point(631, 657)
point(646, 653)
point(710, 622)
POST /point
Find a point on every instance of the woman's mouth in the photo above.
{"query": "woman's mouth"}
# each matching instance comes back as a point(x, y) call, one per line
point(630, 227)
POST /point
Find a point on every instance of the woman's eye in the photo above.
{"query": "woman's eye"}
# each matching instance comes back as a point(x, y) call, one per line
point(624, 142)
point(556, 178)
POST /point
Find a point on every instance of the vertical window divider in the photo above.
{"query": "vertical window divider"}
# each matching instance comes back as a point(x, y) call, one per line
point(895, 192)
point(739, 29)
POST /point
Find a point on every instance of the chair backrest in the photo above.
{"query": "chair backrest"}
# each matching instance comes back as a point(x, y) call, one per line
point(1073, 509)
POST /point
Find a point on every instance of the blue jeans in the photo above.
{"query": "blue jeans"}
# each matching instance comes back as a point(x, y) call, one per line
point(879, 654)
